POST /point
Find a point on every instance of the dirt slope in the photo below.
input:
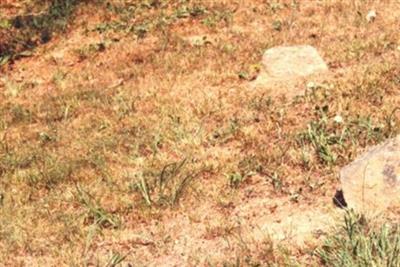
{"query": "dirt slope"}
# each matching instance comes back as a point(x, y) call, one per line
point(122, 141)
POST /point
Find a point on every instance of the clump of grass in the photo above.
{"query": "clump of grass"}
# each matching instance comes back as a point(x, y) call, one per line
point(116, 259)
point(168, 186)
point(360, 243)
point(90, 50)
point(50, 171)
point(134, 18)
point(333, 131)
point(95, 213)
point(235, 179)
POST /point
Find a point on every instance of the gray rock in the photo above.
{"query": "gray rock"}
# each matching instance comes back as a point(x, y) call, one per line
point(371, 183)
point(292, 61)
point(284, 66)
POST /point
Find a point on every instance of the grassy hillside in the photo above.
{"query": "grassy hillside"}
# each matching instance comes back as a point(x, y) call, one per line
point(130, 134)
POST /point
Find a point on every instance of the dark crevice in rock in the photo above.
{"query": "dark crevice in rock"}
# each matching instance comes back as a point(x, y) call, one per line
point(339, 200)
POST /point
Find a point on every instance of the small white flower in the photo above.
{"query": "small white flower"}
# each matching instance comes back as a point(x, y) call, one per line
point(338, 119)
point(311, 85)
point(371, 16)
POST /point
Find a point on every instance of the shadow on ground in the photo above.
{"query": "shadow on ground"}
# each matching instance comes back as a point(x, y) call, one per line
point(22, 33)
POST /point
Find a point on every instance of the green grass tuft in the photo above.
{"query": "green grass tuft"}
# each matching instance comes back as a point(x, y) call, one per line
point(360, 242)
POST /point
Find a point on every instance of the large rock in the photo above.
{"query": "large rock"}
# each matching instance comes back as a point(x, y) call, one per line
point(292, 61)
point(286, 65)
point(371, 183)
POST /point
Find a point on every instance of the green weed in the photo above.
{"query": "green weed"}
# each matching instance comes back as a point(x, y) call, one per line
point(95, 214)
point(166, 187)
point(361, 243)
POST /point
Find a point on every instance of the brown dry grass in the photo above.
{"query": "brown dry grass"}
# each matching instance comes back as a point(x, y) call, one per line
point(120, 139)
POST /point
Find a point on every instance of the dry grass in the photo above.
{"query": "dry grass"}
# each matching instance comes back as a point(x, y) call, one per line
point(120, 141)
